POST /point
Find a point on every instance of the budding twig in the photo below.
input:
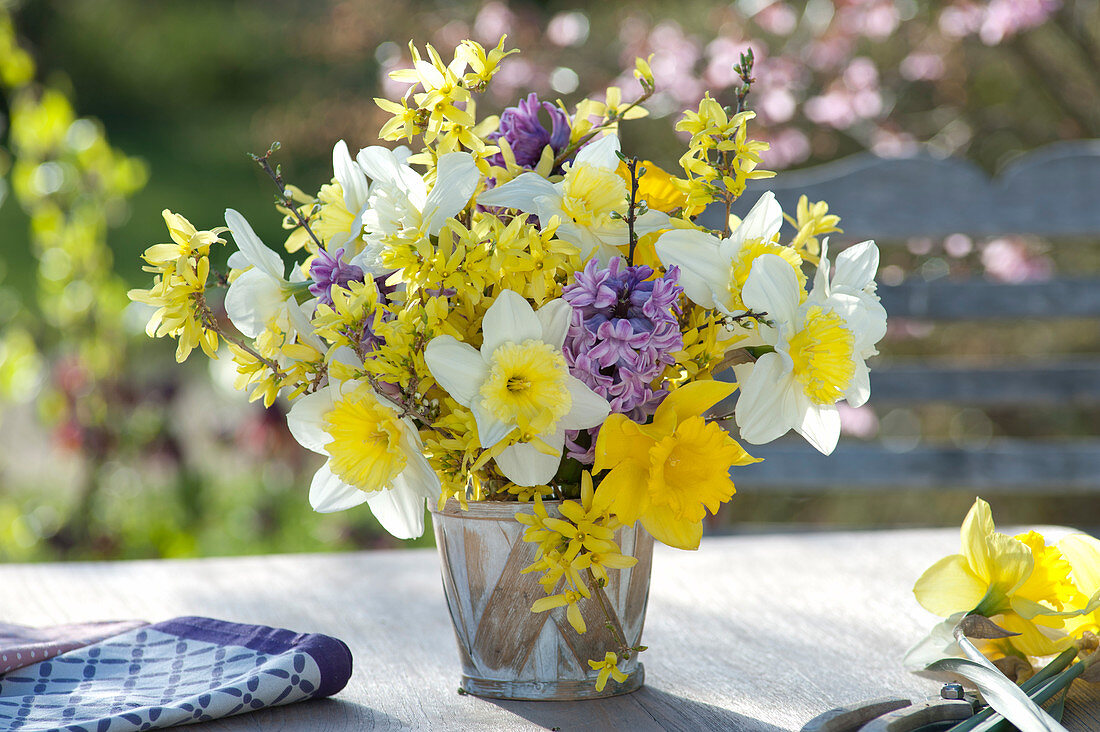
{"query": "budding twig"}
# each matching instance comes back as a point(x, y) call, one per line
point(276, 175)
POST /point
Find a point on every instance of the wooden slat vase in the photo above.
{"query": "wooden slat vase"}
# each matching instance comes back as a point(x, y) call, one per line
point(507, 651)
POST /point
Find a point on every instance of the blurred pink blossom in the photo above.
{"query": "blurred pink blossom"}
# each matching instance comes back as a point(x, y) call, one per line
point(568, 29)
point(451, 34)
point(830, 52)
point(723, 53)
point(674, 62)
point(890, 143)
point(852, 98)
point(1009, 259)
point(958, 245)
point(776, 105)
point(961, 19)
point(861, 422)
point(493, 21)
point(777, 18)
point(919, 66)
point(873, 18)
point(789, 146)
point(516, 76)
point(1005, 18)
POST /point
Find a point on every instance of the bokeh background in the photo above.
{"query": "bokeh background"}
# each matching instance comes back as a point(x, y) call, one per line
point(114, 110)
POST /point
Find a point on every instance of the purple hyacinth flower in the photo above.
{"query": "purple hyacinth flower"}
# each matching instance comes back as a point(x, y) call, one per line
point(526, 134)
point(330, 269)
point(622, 334)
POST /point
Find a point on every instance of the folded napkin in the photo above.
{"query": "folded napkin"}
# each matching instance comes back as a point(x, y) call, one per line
point(181, 671)
point(21, 646)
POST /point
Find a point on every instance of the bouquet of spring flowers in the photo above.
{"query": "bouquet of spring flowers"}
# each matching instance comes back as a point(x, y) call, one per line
point(516, 309)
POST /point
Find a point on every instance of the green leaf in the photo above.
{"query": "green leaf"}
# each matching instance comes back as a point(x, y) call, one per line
point(998, 691)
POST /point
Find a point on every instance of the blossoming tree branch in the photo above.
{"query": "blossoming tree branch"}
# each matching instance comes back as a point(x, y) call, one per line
point(513, 309)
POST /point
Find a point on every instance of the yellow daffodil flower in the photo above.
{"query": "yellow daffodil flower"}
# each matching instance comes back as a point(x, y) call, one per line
point(1020, 584)
point(666, 474)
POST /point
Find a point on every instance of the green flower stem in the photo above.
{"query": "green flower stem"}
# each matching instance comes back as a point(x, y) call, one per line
point(1056, 666)
point(612, 619)
point(1046, 682)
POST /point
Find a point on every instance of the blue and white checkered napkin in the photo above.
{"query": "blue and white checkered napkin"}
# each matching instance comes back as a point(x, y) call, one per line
point(177, 672)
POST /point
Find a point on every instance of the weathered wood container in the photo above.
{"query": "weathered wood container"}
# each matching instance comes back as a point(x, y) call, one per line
point(507, 651)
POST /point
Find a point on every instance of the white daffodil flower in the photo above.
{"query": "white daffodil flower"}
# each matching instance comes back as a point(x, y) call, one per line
point(400, 205)
point(854, 276)
point(374, 456)
point(356, 192)
point(519, 381)
point(818, 354)
point(713, 271)
point(261, 294)
point(583, 202)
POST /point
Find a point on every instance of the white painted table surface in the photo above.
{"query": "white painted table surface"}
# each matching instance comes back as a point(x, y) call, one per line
point(751, 632)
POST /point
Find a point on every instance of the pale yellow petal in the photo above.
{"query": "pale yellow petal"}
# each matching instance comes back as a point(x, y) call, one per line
point(948, 587)
point(976, 530)
point(1083, 554)
point(1011, 563)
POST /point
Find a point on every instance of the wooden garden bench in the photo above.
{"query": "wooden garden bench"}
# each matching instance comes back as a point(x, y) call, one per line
point(1053, 192)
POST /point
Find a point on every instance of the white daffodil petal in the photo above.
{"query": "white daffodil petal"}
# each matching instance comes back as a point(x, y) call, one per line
point(864, 315)
point(526, 465)
point(766, 401)
point(457, 178)
point(763, 221)
point(381, 165)
point(589, 408)
point(254, 250)
point(400, 509)
point(252, 300)
point(821, 277)
point(306, 419)
point(418, 471)
point(458, 367)
point(856, 266)
point(509, 319)
point(859, 390)
point(651, 221)
point(702, 267)
point(328, 494)
point(350, 177)
point(238, 260)
point(772, 288)
point(303, 328)
point(820, 425)
point(490, 430)
point(600, 153)
point(520, 193)
point(555, 316)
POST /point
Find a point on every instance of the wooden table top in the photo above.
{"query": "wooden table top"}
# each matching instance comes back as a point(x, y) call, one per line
point(751, 632)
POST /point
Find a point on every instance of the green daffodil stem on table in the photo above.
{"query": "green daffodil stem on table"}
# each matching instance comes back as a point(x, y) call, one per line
point(1040, 688)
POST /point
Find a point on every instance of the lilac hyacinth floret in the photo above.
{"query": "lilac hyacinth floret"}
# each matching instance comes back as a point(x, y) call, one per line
point(522, 127)
point(623, 333)
point(331, 269)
